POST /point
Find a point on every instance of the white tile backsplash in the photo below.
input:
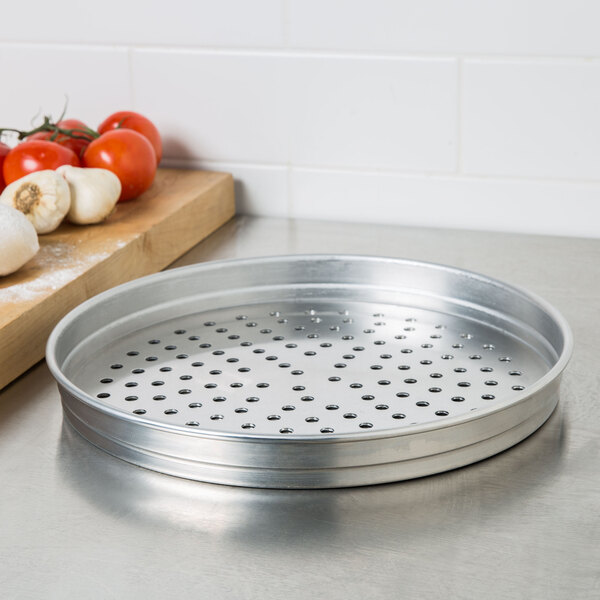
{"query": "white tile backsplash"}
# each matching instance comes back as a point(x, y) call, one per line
point(259, 190)
point(484, 204)
point(151, 22)
point(426, 112)
point(509, 27)
point(390, 114)
point(37, 79)
point(531, 119)
point(214, 106)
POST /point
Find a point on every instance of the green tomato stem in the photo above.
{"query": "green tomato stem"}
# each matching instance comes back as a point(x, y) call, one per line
point(86, 133)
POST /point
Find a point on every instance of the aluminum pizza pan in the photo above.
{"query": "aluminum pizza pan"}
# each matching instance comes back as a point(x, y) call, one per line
point(309, 371)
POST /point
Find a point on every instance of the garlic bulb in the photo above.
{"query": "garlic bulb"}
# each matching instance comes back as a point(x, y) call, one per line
point(43, 197)
point(18, 240)
point(94, 193)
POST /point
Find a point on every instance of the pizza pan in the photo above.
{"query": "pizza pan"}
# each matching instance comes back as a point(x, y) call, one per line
point(309, 371)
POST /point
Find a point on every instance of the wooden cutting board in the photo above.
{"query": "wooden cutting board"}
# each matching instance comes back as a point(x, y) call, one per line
point(77, 262)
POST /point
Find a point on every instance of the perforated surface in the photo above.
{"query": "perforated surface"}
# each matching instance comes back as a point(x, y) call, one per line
point(297, 369)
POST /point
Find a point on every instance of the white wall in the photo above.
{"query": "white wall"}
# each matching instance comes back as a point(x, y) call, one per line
point(482, 114)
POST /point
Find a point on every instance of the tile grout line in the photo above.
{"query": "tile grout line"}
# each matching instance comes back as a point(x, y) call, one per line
point(198, 163)
point(296, 52)
point(290, 192)
point(459, 117)
point(288, 173)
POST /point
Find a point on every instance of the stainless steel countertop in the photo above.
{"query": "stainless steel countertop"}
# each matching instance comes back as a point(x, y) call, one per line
point(77, 523)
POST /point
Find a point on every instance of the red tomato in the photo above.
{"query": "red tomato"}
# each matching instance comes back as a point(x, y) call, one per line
point(77, 145)
point(126, 119)
point(36, 156)
point(4, 150)
point(129, 155)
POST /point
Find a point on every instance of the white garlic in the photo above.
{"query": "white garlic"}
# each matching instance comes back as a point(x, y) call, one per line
point(43, 197)
point(18, 240)
point(94, 193)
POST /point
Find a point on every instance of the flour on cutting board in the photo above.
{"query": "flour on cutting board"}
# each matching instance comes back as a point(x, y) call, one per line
point(59, 265)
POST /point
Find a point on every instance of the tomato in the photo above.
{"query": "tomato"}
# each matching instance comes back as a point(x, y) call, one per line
point(4, 150)
point(126, 119)
point(75, 144)
point(36, 155)
point(129, 155)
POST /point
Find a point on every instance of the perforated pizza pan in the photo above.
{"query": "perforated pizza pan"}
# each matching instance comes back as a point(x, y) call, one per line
point(309, 371)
